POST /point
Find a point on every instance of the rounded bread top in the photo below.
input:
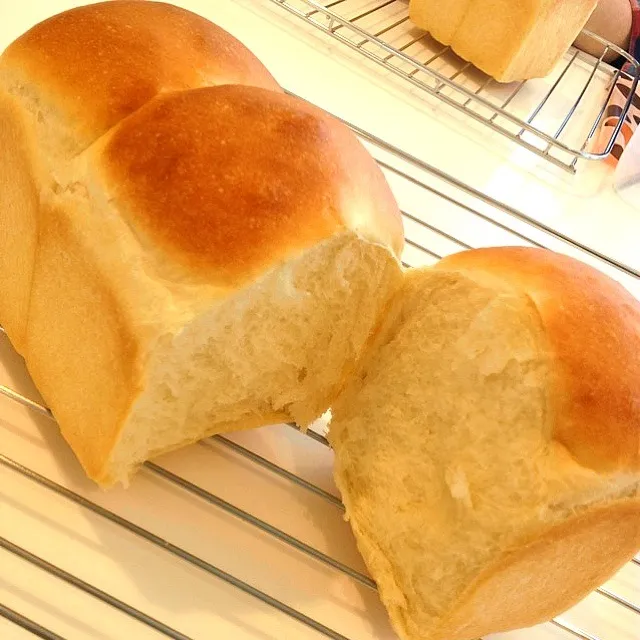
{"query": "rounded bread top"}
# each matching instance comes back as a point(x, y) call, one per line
point(98, 63)
point(227, 181)
point(592, 329)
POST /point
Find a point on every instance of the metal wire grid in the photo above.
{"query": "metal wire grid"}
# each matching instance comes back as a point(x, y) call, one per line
point(555, 118)
point(264, 527)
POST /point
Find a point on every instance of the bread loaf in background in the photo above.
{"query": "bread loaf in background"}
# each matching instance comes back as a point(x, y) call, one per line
point(184, 249)
point(488, 452)
point(509, 40)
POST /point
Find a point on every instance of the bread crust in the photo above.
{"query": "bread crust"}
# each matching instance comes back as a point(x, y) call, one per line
point(227, 181)
point(98, 63)
point(537, 578)
point(88, 366)
point(19, 179)
point(592, 325)
point(503, 38)
point(568, 561)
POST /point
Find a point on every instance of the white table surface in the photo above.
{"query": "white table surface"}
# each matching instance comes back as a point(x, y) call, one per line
point(165, 587)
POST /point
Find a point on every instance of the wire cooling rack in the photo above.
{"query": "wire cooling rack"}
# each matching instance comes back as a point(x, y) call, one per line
point(556, 117)
point(441, 216)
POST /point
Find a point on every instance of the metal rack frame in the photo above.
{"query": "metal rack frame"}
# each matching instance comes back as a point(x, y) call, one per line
point(216, 502)
point(478, 104)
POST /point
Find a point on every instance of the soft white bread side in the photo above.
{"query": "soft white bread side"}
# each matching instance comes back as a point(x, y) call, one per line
point(488, 452)
point(507, 40)
point(216, 259)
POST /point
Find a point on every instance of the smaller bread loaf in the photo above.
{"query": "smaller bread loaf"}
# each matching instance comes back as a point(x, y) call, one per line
point(184, 249)
point(488, 453)
point(509, 40)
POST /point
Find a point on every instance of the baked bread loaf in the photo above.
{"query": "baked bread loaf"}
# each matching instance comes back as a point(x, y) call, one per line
point(488, 453)
point(184, 249)
point(509, 40)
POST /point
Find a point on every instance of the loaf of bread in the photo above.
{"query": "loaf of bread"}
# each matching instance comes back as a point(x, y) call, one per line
point(184, 249)
point(507, 39)
point(488, 452)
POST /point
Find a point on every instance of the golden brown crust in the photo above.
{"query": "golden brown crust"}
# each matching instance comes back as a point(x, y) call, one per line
point(568, 561)
point(503, 37)
point(92, 341)
point(593, 329)
point(101, 62)
point(226, 181)
point(18, 217)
